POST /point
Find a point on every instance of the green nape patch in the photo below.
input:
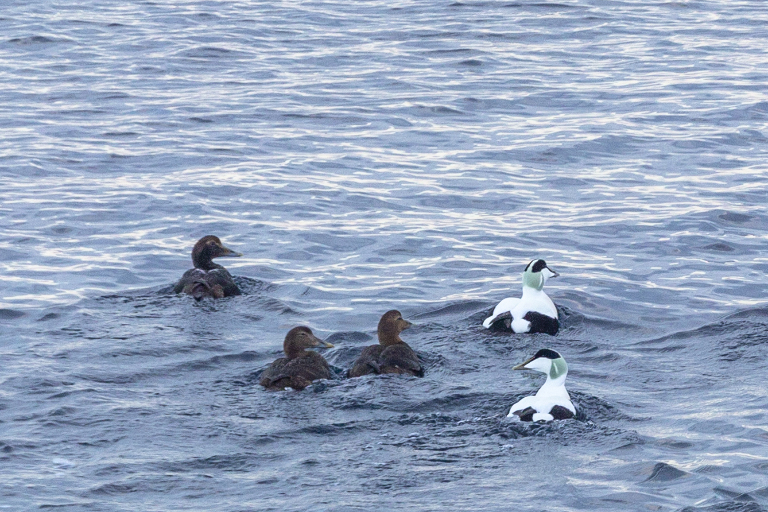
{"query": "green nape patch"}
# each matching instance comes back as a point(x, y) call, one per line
point(558, 369)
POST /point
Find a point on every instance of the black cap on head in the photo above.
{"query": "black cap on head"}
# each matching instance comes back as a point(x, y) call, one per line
point(549, 354)
point(538, 265)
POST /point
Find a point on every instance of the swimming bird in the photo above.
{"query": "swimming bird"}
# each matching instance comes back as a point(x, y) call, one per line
point(551, 401)
point(301, 366)
point(208, 279)
point(392, 354)
point(534, 311)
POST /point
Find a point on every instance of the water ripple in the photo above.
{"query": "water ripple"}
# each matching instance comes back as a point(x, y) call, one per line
point(369, 156)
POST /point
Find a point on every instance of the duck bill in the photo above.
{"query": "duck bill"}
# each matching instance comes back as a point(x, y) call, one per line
point(521, 366)
point(554, 273)
point(317, 342)
point(226, 252)
point(406, 324)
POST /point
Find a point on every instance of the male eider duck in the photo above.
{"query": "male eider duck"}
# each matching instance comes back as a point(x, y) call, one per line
point(391, 355)
point(301, 366)
point(551, 401)
point(534, 311)
point(208, 279)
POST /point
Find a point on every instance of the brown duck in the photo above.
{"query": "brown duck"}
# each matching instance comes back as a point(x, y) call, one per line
point(301, 366)
point(391, 355)
point(208, 279)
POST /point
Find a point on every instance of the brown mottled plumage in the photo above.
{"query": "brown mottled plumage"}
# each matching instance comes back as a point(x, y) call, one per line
point(208, 279)
point(391, 355)
point(301, 366)
point(200, 288)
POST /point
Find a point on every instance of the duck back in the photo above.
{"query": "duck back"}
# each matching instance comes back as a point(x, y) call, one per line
point(368, 362)
point(295, 373)
point(398, 358)
point(558, 412)
point(216, 279)
point(401, 359)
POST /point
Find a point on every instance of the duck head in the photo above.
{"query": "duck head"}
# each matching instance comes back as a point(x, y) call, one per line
point(299, 339)
point(206, 249)
point(546, 361)
point(536, 274)
point(390, 327)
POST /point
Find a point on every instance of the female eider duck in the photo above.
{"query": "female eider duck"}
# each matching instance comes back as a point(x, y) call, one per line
point(534, 311)
point(301, 366)
point(208, 279)
point(391, 355)
point(551, 401)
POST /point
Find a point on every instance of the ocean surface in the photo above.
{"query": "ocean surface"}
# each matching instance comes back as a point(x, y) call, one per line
point(367, 156)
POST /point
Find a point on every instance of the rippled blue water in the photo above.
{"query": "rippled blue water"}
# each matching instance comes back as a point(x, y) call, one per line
point(367, 156)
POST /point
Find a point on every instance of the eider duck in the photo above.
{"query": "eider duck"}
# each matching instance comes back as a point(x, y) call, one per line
point(208, 279)
point(551, 401)
point(391, 355)
point(534, 311)
point(301, 366)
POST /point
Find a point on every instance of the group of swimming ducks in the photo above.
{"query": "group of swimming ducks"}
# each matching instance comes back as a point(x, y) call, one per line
point(533, 312)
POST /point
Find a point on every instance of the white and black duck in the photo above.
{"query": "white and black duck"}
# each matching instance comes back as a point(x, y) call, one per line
point(551, 401)
point(534, 311)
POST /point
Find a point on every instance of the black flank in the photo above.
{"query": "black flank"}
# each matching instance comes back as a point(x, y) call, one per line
point(542, 323)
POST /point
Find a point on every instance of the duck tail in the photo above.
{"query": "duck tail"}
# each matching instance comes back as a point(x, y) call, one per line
point(201, 289)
